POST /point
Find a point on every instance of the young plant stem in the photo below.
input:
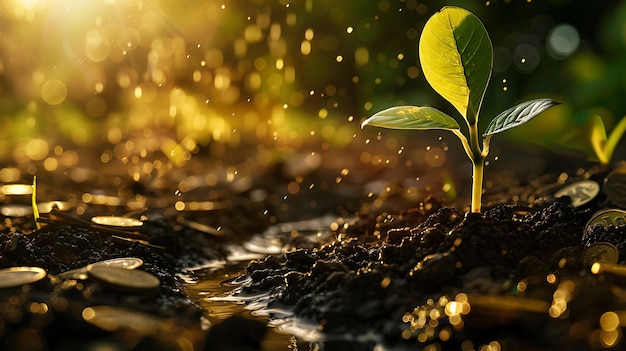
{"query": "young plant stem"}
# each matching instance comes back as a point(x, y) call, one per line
point(34, 203)
point(478, 156)
point(477, 184)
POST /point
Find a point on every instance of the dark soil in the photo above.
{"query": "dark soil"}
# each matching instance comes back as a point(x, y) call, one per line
point(385, 278)
point(387, 268)
point(59, 248)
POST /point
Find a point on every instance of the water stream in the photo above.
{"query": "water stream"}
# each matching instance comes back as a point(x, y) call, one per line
point(216, 286)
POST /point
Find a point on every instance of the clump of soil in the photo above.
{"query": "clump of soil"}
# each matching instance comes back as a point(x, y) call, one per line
point(60, 247)
point(383, 267)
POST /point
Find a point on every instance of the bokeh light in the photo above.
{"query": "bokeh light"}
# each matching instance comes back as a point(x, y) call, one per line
point(132, 81)
point(563, 40)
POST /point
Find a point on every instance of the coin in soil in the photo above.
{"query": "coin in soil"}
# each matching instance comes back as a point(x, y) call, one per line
point(580, 193)
point(125, 280)
point(615, 186)
point(611, 216)
point(123, 262)
point(114, 221)
point(115, 318)
point(18, 276)
point(600, 252)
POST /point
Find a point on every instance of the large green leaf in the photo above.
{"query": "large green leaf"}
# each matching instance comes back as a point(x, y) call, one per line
point(411, 117)
point(456, 56)
point(518, 115)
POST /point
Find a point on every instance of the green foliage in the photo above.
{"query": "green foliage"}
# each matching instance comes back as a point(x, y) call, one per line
point(518, 115)
point(594, 140)
point(593, 131)
point(457, 57)
point(603, 146)
point(413, 117)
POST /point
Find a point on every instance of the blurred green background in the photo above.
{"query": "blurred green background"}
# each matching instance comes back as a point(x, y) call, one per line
point(180, 78)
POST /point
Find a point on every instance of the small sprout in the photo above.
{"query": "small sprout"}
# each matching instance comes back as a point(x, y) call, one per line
point(34, 203)
point(604, 147)
point(457, 58)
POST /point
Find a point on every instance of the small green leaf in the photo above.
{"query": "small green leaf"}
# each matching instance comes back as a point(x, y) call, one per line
point(456, 56)
point(614, 137)
point(518, 115)
point(412, 117)
point(596, 134)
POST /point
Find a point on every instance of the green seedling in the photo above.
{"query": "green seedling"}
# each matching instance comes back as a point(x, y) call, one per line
point(457, 58)
point(604, 146)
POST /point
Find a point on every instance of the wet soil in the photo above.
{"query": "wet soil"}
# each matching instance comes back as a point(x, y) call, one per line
point(382, 278)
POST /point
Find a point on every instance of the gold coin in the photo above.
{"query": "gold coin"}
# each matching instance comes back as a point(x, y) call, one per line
point(600, 252)
point(580, 193)
point(611, 216)
point(113, 221)
point(124, 262)
point(115, 318)
point(122, 279)
point(18, 276)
